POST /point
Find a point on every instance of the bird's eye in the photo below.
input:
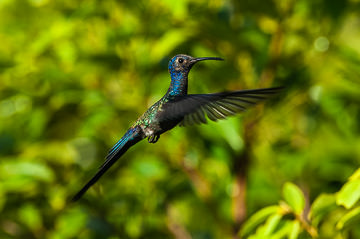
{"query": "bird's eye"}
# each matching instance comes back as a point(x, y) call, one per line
point(181, 60)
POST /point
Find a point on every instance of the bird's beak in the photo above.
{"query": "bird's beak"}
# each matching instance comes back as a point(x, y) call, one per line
point(194, 60)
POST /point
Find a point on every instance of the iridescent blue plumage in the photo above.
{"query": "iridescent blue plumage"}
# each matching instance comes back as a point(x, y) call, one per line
point(178, 84)
point(177, 107)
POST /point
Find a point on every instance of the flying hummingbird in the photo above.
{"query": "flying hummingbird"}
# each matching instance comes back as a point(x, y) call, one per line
point(177, 107)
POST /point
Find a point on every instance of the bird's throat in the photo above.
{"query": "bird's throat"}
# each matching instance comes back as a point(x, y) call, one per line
point(179, 83)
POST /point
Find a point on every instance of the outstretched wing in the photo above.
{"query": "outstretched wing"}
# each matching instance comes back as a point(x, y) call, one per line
point(192, 109)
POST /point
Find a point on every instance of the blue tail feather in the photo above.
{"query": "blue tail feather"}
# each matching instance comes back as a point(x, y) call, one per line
point(131, 137)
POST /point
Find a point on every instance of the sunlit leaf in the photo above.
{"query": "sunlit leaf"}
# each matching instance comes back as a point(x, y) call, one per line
point(294, 197)
point(349, 194)
point(355, 175)
point(295, 230)
point(30, 216)
point(168, 42)
point(17, 169)
point(322, 205)
point(69, 224)
point(271, 224)
point(258, 218)
point(350, 218)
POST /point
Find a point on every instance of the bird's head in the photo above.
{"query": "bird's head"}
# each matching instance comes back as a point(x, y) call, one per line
point(183, 63)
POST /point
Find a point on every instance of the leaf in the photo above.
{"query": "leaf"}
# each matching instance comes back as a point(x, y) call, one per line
point(322, 205)
point(295, 230)
point(349, 194)
point(34, 170)
point(350, 218)
point(70, 223)
point(30, 216)
point(169, 41)
point(294, 197)
point(283, 231)
point(355, 175)
point(271, 224)
point(256, 219)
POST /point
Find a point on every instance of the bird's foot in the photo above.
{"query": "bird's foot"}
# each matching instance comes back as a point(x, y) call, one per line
point(153, 138)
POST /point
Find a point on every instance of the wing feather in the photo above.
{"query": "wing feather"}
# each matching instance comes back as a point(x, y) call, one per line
point(194, 108)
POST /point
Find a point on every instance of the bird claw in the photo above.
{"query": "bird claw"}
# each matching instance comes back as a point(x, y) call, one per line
point(153, 138)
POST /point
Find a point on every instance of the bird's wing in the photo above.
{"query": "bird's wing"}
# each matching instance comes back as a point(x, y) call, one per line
point(193, 108)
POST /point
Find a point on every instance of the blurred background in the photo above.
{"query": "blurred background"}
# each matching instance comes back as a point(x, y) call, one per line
point(74, 75)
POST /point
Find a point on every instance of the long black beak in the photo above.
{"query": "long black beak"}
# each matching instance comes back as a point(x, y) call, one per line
point(194, 60)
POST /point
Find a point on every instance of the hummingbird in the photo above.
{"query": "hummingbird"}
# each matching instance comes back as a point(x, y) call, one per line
point(177, 107)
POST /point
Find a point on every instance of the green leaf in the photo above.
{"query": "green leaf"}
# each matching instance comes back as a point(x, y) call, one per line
point(35, 170)
point(23, 176)
point(168, 42)
point(69, 224)
point(355, 175)
point(271, 224)
point(294, 197)
point(349, 219)
point(349, 194)
point(322, 205)
point(284, 229)
point(30, 216)
point(256, 219)
point(295, 230)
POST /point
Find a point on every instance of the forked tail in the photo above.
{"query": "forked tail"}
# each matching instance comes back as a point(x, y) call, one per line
point(131, 137)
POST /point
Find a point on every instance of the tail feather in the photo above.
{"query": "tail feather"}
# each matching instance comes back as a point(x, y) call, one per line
point(131, 137)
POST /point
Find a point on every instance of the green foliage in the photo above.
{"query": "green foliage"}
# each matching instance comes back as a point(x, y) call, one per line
point(350, 192)
point(290, 219)
point(294, 197)
point(74, 75)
